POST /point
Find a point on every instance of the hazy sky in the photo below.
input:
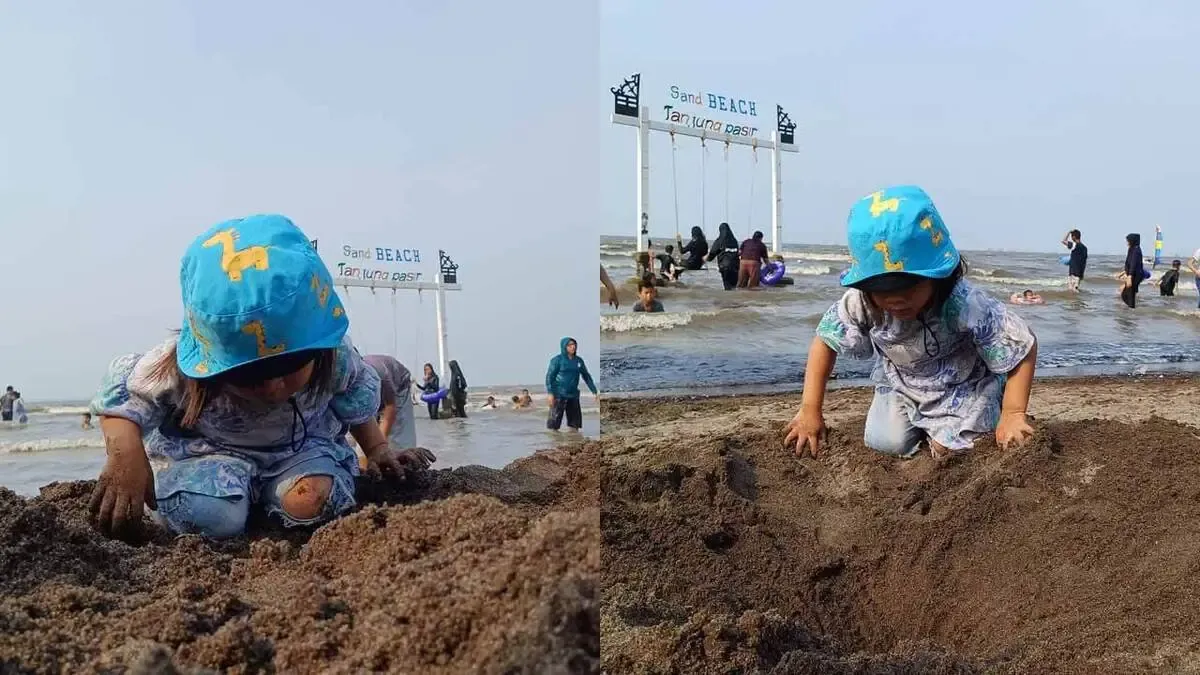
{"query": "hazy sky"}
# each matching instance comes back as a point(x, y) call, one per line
point(128, 128)
point(1021, 119)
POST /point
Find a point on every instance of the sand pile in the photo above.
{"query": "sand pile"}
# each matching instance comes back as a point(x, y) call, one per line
point(724, 553)
point(503, 580)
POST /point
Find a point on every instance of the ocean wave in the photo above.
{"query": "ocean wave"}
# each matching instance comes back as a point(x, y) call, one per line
point(47, 444)
point(808, 270)
point(639, 321)
point(60, 410)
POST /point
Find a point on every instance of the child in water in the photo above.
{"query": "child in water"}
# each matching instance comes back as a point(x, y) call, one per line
point(951, 362)
point(1026, 298)
point(648, 297)
point(248, 405)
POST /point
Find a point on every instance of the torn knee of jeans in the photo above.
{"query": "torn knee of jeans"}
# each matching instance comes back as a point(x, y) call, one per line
point(306, 498)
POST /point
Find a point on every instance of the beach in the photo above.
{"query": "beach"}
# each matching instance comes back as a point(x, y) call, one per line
point(1078, 553)
point(465, 570)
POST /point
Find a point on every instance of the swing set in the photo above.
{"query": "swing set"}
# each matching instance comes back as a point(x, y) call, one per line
point(628, 111)
point(704, 183)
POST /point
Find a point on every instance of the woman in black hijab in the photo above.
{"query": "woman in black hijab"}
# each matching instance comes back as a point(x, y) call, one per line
point(1135, 269)
point(458, 391)
point(694, 251)
point(725, 250)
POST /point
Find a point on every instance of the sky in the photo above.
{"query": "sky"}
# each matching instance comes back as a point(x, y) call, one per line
point(1021, 119)
point(129, 128)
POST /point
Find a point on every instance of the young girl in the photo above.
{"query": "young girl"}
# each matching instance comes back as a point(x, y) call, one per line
point(248, 406)
point(431, 386)
point(952, 363)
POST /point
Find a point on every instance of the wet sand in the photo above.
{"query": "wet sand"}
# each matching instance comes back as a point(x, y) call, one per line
point(469, 570)
point(1079, 553)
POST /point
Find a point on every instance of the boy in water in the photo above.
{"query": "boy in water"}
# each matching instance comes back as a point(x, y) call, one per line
point(648, 297)
point(1170, 278)
point(87, 421)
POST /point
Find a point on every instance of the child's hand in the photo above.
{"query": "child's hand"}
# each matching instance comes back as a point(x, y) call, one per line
point(397, 464)
point(807, 428)
point(126, 483)
point(1013, 428)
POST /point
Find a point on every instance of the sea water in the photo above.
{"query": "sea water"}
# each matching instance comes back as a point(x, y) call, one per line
point(52, 446)
point(743, 341)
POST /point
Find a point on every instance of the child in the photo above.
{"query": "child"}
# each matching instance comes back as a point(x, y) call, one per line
point(1026, 298)
point(489, 404)
point(248, 405)
point(87, 421)
point(647, 297)
point(1170, 278)
point(431, 385)
point(952, 362)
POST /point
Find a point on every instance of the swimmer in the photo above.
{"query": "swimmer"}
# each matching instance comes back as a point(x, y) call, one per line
point(489, 404)
point(516, 402)
point(526, 399)
point(87, 421)
point(1026, 298)
point(251, 399)
point(647, 297)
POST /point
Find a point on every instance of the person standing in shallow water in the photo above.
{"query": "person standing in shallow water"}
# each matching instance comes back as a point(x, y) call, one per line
point(562, 384)
point(431, 385)
point(458, 391)
point(1135, 270)
point(725, 251)
point(753, 255)
point(1078, 263)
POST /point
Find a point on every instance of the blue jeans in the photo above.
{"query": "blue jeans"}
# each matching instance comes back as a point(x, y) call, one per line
point(222, 517)
point(889, 427)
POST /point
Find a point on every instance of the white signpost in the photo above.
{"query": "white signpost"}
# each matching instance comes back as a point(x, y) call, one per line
point(386, 268)
point(627, 110)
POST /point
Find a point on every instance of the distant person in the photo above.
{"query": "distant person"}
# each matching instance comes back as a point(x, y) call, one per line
point(458, 391)
point(19, 409)
point(516, 402)
point(526, 399)
point(694, 251)
point(431, 385)
point(669, 268)
point(489, 404)
point(1026, 298)
point(753, 254)
point(647, 297)
point(1135, 270)
point(1170, 278)
point(1194, 266)
point(562, 384)
point(724, 250)
point(613, 298)
point(87, 421)
point(6, 404)
point(395, 411)
point(1074, 243)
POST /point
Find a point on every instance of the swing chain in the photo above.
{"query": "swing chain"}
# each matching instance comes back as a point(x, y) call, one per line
point(674, 184)
point(727, 181)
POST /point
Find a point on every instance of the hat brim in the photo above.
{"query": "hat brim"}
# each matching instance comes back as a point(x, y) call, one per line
point(893, 282)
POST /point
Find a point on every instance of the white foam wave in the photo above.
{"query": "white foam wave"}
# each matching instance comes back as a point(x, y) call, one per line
point(62, 410)
point(634, 321)
point(1028, 283)
point(1189, 313)
point(46, 444)
point(809, 255)
point(809, 270)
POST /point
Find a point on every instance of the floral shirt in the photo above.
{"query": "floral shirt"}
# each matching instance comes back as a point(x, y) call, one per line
point(951, 366)
point(239, 441)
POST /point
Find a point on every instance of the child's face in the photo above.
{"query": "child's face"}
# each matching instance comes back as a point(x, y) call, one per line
point(907, 304)
point(278, 389)
point(647, 295)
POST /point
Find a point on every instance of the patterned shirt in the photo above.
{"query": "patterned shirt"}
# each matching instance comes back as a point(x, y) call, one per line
point(951, 367)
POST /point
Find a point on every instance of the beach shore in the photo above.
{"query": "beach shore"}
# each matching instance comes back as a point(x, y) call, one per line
point(464, 570)
point(1078, 553)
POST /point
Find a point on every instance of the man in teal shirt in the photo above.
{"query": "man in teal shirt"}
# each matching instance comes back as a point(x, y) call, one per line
point(562, 384)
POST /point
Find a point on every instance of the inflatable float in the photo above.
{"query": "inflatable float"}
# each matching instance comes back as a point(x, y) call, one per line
point(771, 273)
point(1066, 259)
point(435, 396)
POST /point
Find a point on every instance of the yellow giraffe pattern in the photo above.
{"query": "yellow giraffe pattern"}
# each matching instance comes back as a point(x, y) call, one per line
point(203, 341)
point(321, 290)
point(233, 261)
point(879, 205)
point(934, 234)
point(256, 329)
point(888, 265)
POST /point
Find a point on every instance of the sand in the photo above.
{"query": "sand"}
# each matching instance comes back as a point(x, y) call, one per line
point(1079, 553)
point(470, 570)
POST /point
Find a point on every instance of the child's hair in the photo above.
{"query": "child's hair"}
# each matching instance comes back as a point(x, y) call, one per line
point(1027, 292)
point(516, 399)
point(197, 393)
point(646, 281)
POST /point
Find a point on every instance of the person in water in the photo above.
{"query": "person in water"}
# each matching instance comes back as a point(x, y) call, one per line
point(694, 251)
point(562, 384)
point(647, 297)
point(951, 362)
point(86, 423)
point(1078, 263)
point(1026, 298)
point(247, 406)
point(19, 415)
point(395, 409)
point(432, 384)
point(489, 404)
point(669, 268)
point(458, 391)
point(613, 298)
point(1170, 278)
point(1135, 270)
point(725, 251)
point(1194, 266)
point(526, 400)
point(6, 404)
point(754, 255)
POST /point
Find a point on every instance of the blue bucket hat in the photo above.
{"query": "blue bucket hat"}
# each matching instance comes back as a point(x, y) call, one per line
point(254, 288)
point(898, 230)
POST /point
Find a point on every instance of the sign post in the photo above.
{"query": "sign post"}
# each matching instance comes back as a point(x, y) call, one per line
point(627, 110)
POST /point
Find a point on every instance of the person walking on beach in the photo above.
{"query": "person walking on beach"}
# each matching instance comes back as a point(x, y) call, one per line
point(725, 251)
point(1135, 270)
point(6, 404)
point(458, 391)
point(613, 298)
point(431, 385)
point(953, 363)
point(251, 399)
point(1079, 253)
point(562, 384)
point(753, 256)
point(395, 408)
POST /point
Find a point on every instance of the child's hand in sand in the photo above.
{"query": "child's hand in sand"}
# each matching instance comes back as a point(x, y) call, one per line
point(807, 428)
point(397, 464)
point(126, 483)
point(1013, 428)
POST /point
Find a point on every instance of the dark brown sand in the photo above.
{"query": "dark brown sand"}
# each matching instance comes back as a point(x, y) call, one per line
point(1080, 553)
point(471, 570)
